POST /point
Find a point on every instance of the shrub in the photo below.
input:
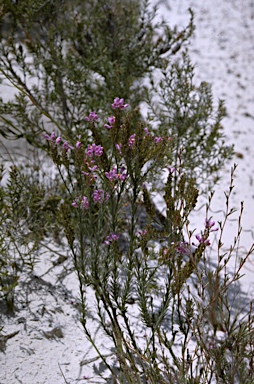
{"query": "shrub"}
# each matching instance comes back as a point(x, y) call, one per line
point(137, 263)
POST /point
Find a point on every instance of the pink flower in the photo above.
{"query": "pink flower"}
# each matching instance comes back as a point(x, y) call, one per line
point(98, 196)
point(92, 116)
point(92, 169)
point(111, 120)
point(111, 237)
point(202, 240)
point(84, 202)
point(142, 233)
point(53, 138)
point(114, 175)
point(118, 147)
point(66, 146)
point(183, 248)
point(58, 140)
point(171, 170)
point(119, 103)
point(81, 202)
point(74, 204)
point(96, 150)
point(132, 140)
point(209, 224)
point(122, 175)
point(158, 139)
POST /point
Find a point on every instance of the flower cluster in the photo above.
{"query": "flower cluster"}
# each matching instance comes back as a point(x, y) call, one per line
point(53, 138)
point(81, 202)
point(112, 237)
point(90, 170)
point(99, 196)
point(156, 139)
point(57, 140)
point(183, 248)
point(203, 238)
point(92, 117)
point(94, 150)
point(66, 146)
point(114, 175)
point(119, 104)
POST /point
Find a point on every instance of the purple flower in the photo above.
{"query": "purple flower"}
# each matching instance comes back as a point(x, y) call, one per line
point(132, 140)
point(112, 174)
point(158, 139)
point(84, 202)
point(81, 202)
point(58, 140)
point(171, 170)
point(92, 169)
point(122, 175)
point(209, 224)
point(202, 240)
point(111, 120)
point(78, 144)
point(119, 103)
point(118, 147)
point(92, 116)
point(146, 131)
point(66, 146)
point(74, 204)
point(111, 237)
point(142, 233)
point(53, 138)
point(98, 196)
point(183, 248)
point(96, 150)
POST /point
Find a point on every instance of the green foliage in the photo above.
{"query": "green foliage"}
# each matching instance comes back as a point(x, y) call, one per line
point(27, 215)
point(186, 112)
point(75, 59)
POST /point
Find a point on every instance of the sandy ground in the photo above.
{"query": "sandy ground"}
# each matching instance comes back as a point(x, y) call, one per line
point(223, 51)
